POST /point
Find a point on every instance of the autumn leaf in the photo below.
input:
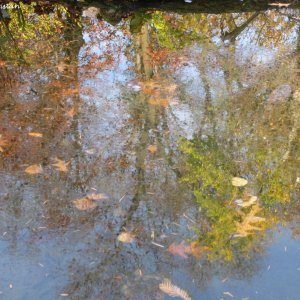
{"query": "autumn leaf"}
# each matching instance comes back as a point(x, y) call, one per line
point(71, 112)
point(238, 181)
point(85, 204)
point(61, 165)
point(159, 102)
point(90, 201)
point(126, 237)
point(34, 169)
point(251, 201)
point(196, 249)
point(3, 143)
point(249, 223)
point(2, 63)
point(35, 134)
point(69, 92)
point(173, 291)
point(181, 249)
point(152, 148)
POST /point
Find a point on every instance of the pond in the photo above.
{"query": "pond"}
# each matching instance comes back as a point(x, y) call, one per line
point(149, 153)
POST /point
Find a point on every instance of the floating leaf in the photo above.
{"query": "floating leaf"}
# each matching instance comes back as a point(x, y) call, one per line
point(71, 112)
point(196, 249)
point(152, 148)
point(238, 181)
point(35, 134)
point(85, 204)
point(89, 202)
point(3, 143)
point(251, 201)
point(126, 237)
point(159, 102)
point(61, 165)
point(173, 291)
point(181, 249)
point(34, 169)
point(249, 223)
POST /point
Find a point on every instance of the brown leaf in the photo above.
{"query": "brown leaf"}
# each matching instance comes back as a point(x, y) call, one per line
point(35, 134)
point(159, 102)
point(71, 112)
point(3, 143)
point(152, 148)
point(34, 169)
point(85, 204)
point(90, 201)
point(173, 291)
point(126, 237)
point(180, 249)
point(61, 165)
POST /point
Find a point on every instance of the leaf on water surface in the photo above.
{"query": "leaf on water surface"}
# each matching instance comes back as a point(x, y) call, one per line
point(181, 249)
point(238, 181)
point(60, 165)
point(95, 196)
point(251, 201)
point(34, 169)
point(35, 134)
point(249, 223)
point(196, 249)
point(152, 148)
point(280, 4)
point(126, 237)
point(173, 291)
point(89, 202)
point(3, 143)
point(159, 102)
point(85, 204)
point(71, 112)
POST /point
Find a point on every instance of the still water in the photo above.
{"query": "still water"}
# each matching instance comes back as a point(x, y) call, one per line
point(148, 152)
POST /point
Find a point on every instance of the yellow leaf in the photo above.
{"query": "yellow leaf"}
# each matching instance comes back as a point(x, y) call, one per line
point(61, 165)
point(152, 148)
point(126, 237)
point(174, 291)
point(238, 181)
point(248, 225)
point(34, 169)
point(35, 134)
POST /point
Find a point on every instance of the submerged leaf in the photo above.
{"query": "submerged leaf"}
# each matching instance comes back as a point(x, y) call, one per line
point(173, 291)
point(238, 181)
point(126, 237)
point(34, 169)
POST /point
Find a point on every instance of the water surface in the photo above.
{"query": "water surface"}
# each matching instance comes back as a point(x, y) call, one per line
point(139, 126)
